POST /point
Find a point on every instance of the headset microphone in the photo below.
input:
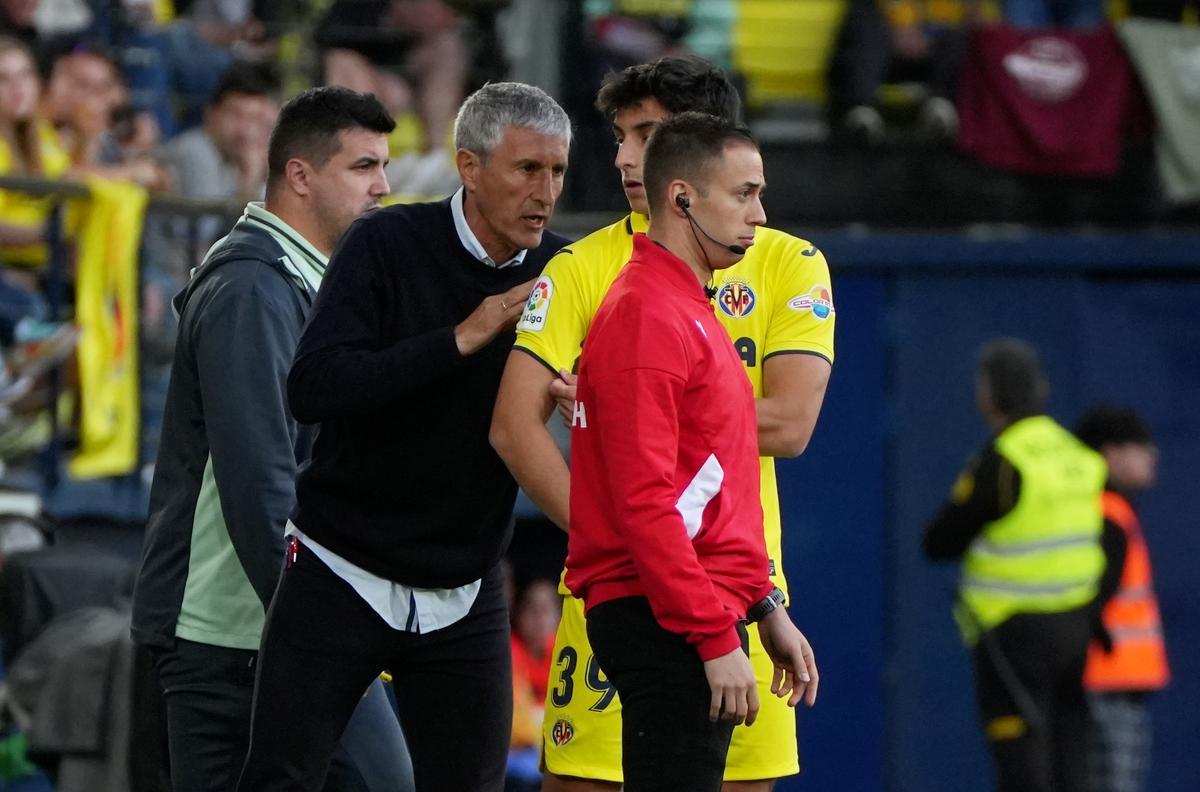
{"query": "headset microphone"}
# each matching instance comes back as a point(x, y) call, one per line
point(684, 203)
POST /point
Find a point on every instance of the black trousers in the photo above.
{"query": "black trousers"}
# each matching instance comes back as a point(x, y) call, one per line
point(209, 691)
point(322, 646)
point(1029, 683)
point(668, 742)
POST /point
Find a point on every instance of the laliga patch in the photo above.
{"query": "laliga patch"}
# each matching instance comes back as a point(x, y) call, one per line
point(562, 732)
point(818, 300)
point(534, 317)
point(736, 299)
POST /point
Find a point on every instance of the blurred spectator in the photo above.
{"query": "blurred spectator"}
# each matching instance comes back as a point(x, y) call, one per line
point(413, 56)
point(28, 147)
point(535, 623)
point(626, 32)
point(902, 40)
point(83, 91)
point(223, 159)
point(87, 101)
point(1128, 661)
point(173, 63)
point(226, 158)
point(1054, 13)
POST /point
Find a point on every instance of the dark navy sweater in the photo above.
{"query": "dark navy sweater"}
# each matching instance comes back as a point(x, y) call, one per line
point(403, 482)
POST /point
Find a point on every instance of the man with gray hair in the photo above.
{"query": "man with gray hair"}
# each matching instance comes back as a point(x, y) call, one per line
point(405, 510)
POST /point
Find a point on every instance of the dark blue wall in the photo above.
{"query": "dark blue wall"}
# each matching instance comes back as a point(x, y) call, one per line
point(833, 516)
point(1115, 321)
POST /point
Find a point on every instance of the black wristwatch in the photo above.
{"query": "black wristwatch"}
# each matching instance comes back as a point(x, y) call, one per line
point(765, 605)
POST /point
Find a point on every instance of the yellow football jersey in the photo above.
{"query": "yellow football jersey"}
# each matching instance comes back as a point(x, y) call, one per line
point(776, 300)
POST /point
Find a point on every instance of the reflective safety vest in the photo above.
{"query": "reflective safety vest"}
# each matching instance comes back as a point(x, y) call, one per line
point(1138, 660)
point(1044, 555)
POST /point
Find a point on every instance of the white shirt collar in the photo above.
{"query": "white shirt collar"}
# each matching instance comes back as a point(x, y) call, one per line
point(468, 238)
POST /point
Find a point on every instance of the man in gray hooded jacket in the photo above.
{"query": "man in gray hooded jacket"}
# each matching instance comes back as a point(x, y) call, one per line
point(224, 481)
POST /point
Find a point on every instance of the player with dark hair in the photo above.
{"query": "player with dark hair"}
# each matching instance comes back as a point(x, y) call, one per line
point(775, 303)
point(681, 84)
point(666, 546)
point(225, 478)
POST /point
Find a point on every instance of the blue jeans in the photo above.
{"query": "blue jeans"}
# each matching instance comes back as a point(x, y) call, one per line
point(1054, 13)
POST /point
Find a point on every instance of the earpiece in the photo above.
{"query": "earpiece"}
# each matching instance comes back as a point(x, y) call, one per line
point(682, 201)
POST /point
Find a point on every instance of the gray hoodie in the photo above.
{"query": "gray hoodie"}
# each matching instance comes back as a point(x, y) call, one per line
point(224, 482)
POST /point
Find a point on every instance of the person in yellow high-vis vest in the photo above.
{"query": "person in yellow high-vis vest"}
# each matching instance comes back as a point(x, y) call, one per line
point(1129, 661)
point(1025, 520)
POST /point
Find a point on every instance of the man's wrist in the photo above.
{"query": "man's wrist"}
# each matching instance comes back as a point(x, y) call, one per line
point(768, 604)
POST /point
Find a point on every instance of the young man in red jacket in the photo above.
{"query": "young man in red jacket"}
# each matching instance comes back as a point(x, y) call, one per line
point(666, 547)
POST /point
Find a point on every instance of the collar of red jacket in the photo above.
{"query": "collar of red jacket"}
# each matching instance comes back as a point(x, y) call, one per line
point(671, 270)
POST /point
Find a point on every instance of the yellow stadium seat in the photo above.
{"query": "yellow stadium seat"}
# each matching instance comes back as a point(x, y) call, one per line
point(783, 48)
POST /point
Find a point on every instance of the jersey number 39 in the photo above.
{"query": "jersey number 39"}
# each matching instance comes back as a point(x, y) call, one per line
point(593, 677)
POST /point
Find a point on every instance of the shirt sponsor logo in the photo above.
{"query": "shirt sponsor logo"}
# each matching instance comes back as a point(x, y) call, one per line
point(736, 299)
point(534, 317)
point(818, 300)
point(562, 732)
point(1048, 69)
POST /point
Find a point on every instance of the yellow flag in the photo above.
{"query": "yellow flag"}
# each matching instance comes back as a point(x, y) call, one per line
point(106, 309)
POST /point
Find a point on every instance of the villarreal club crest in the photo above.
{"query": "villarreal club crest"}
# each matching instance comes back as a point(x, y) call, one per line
point(736, 299)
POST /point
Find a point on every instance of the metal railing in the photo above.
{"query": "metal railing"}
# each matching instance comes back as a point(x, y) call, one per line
point(54, 276)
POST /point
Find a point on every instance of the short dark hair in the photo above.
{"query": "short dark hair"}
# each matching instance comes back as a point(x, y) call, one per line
point(1013, 377)
point(248, 79)
point(310, 122)
point(1113, 425)
point(680, 84)
point(684, 147)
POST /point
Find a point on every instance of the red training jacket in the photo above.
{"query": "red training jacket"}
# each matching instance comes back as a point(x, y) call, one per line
point(664, 459)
